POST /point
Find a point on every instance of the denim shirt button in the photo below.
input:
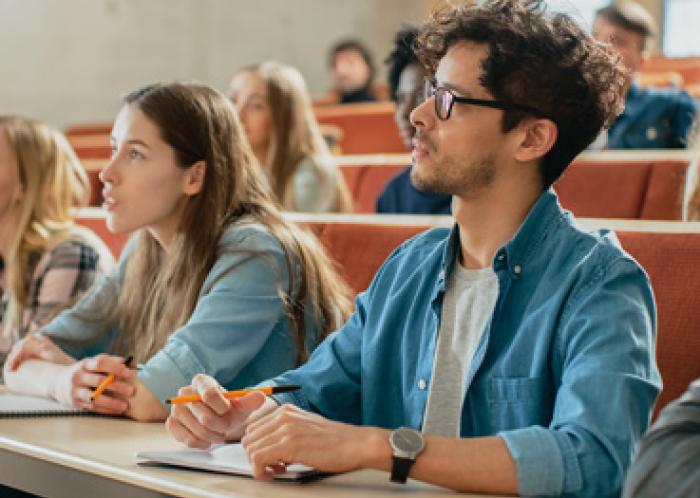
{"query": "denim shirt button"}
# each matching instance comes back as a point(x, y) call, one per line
point(517, 269)
point(422, 384)
point(441, 275)
point(501, 257)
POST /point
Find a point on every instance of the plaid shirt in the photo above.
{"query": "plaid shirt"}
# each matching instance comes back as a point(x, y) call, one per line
point(60, 276)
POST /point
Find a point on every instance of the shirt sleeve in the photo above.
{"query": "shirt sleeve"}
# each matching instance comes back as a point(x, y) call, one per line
point(71, 269)
point(331, 379)
point(234, 317)
point(686, 111)
point(667, 462)
point(609, 383)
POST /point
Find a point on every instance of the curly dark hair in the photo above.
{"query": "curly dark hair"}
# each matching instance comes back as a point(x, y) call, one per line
point(537, 59)
point(401, 56)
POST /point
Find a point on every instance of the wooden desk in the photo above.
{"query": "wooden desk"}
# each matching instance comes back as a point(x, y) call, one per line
point(94, 457)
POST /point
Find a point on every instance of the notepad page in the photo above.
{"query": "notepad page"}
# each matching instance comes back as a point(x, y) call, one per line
point(13, 404)
point(225, 458)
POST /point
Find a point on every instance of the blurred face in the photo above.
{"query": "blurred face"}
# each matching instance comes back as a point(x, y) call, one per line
point(350, 71)
point(628, 44)
point(248, 92)
point(144, 186)
point(409, 94)
point(9, 179)
point(459, 155)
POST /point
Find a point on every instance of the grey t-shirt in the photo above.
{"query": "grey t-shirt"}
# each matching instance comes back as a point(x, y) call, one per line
point(470, 297)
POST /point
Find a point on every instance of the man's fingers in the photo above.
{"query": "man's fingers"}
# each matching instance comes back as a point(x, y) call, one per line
point(181, 433)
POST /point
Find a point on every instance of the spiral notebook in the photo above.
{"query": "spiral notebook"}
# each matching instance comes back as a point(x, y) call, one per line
point(222, 458)
point(15, 406)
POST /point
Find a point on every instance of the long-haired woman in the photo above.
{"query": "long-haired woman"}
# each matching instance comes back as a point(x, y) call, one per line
point(214, 279)
point(275, 109)
point(46, 261)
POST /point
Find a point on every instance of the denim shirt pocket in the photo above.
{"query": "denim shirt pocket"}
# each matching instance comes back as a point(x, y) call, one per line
point(517, 402)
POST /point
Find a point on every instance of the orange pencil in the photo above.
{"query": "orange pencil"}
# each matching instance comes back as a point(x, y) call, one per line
point(107, 381)
point(235, 394)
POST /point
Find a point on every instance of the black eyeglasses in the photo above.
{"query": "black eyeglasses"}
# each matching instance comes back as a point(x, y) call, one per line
point(445, 99)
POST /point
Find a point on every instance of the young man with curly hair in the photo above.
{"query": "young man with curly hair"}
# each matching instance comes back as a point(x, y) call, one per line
point(513, 353)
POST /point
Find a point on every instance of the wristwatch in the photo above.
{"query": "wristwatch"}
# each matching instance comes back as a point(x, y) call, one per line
point(406, 444)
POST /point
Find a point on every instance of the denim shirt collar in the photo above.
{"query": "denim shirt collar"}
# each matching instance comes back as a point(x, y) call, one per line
point(515, 255)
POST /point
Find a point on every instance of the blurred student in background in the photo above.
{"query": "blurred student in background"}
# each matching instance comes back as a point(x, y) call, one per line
point(353, 72)
point(214, 280)
point(274, 106)
point(407, 90)
point(653, 118)
point(46, 260)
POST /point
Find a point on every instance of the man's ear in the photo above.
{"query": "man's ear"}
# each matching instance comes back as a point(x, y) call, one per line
point(194, 179)
point(537, 140)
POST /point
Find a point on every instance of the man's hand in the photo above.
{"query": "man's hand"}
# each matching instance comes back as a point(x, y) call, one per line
point(216, 419)
point(291, 435)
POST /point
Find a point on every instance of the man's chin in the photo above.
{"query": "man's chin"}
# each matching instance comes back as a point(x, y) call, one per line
point(426, 184)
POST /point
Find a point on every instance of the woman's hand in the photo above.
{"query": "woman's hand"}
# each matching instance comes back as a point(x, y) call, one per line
point(77, 383)
point(38, 347)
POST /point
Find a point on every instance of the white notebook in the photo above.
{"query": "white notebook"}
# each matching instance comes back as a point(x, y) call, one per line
point(224, 458)
point(14, 405)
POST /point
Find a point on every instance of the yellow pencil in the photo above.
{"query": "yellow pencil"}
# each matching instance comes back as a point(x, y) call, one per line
point(107, 381)
point(235, 394)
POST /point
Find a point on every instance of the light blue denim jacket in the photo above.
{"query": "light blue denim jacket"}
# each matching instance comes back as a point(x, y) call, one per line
point(238, 333)
point(565, 371)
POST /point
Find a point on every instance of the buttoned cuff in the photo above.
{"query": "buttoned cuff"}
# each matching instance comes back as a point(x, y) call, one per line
point(171, 368)
point(545, 460)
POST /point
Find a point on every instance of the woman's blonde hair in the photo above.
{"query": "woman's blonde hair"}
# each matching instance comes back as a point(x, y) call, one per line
point(295, 134)
point(160, 289)
point(51, 183)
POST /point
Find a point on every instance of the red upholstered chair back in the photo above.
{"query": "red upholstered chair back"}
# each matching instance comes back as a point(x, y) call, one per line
point(368, 182)
point(671, 260)
point(367, 128)
point(602, 190)
point(663, 199)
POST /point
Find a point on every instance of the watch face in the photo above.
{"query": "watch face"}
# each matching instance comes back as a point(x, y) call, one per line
point(407, 440)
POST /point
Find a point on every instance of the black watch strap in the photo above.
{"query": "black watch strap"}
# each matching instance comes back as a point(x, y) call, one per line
point(400, 468)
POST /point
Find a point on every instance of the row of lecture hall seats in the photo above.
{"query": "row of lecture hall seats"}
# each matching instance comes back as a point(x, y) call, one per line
point(367, 128)
point(629, 185)
point(625, 185)
point(667, 250)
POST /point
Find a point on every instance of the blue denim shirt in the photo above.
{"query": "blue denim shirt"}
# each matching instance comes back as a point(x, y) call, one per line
point(239, 332)
point(654, 118)
point(565, 371)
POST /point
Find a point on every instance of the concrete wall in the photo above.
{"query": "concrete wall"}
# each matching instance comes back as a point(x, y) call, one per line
point(68, 61)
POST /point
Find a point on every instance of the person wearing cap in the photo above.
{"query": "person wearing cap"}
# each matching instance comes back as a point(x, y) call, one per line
point(654, 118)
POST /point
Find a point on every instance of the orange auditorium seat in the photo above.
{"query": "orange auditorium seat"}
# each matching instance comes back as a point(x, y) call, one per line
point(670, 259)
point(367, 128)
point(612, 187)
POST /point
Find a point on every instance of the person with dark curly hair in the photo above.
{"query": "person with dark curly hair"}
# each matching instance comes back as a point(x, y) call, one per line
point(513, 353)
point(407, 90)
